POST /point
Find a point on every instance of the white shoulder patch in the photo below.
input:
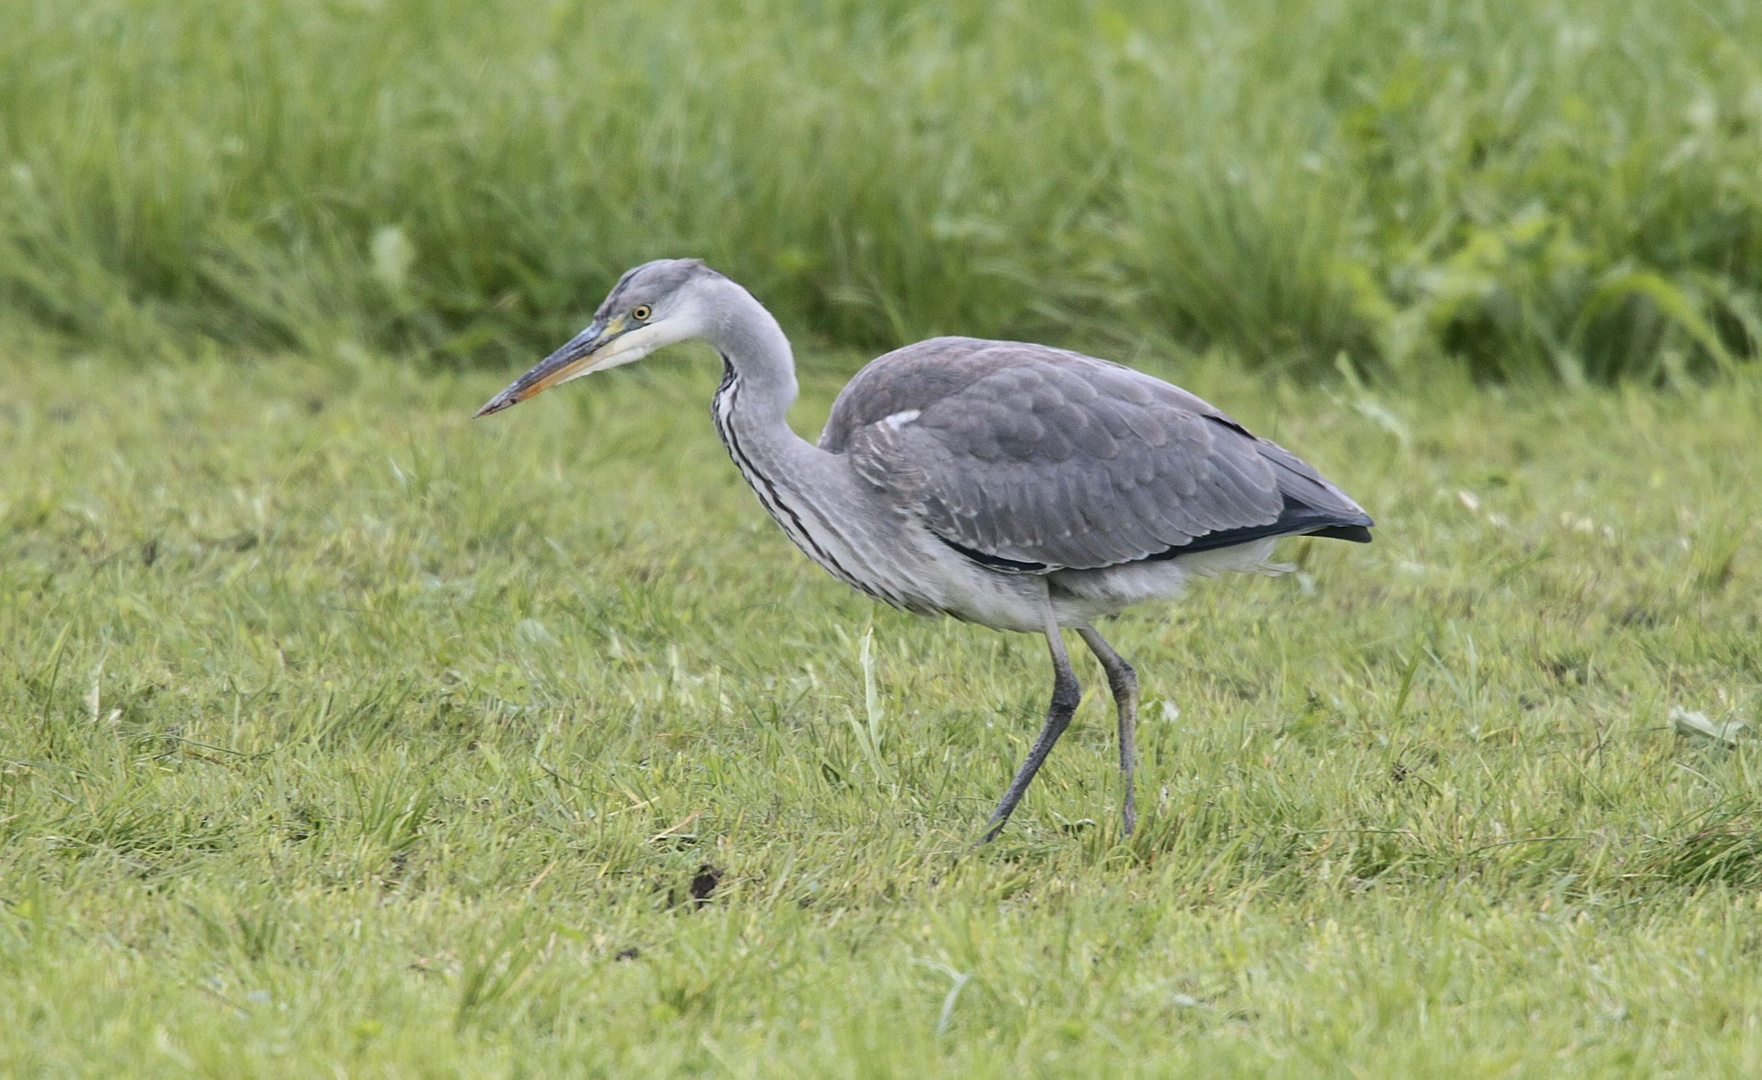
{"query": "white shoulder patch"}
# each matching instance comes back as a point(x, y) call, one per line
point(900, 419)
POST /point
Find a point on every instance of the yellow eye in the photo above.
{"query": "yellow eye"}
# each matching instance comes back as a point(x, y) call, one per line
point(640, 312)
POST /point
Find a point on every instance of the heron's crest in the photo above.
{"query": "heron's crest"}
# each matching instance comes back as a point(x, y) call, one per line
point(652, 283)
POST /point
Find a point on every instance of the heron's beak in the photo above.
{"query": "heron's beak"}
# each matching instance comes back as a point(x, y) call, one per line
point(589, 349)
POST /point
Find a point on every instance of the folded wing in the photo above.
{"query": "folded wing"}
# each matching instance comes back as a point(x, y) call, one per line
point(1032, 459)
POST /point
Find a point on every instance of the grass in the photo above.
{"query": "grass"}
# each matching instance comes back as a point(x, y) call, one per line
point(1564, 189)
point(340, 734)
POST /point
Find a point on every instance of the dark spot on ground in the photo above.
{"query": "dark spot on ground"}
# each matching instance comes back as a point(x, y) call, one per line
point(1639, 616)
point(629, 952)
point(704, 883)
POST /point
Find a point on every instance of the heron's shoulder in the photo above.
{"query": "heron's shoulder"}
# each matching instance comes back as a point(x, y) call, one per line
point(968, 377)
point(974, 375)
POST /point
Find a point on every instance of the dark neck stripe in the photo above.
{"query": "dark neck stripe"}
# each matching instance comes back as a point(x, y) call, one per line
point(722, 408)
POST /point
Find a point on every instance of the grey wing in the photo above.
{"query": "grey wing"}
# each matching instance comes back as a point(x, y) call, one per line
point(1029, 458)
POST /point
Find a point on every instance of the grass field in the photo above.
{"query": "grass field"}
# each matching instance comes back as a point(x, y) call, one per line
point(1568, 188)
point(342, 735)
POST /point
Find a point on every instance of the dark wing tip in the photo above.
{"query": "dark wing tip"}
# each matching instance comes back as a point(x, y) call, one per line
point(1297, 520)
point(1357, 534)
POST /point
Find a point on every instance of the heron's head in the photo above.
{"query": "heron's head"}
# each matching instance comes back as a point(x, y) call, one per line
point(657, 304)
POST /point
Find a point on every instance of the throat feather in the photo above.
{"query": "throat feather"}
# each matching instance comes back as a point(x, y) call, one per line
point(792, 514)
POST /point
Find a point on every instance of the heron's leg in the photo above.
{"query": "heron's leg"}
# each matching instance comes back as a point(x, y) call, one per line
point(1122, 680)
point(1066, 694)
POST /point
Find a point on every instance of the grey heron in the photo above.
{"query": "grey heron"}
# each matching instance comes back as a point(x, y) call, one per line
point(1016, 486)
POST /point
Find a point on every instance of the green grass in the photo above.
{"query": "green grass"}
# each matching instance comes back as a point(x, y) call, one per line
point(1566, 188)
point(342, 735)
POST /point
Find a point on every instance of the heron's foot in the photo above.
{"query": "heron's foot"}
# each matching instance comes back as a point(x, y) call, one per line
point(999, 818)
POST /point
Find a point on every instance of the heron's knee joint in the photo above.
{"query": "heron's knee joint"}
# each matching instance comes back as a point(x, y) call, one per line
point(1066, 695)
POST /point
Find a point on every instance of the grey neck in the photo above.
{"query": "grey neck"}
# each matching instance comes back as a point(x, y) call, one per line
point(806, 490)
point(758, 387)
point(757, 353)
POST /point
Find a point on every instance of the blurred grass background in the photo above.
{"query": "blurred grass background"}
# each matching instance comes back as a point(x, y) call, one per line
point(1569, 190)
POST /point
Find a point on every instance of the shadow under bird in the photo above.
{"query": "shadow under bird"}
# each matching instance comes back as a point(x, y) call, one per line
point(1013, 485)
